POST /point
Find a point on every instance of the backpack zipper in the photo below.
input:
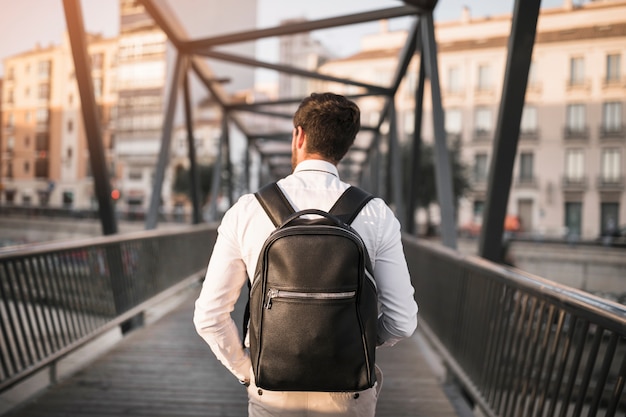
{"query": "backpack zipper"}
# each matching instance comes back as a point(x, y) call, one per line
point(274, 293)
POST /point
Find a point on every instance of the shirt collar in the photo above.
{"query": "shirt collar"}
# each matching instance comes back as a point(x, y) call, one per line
point(317, 165)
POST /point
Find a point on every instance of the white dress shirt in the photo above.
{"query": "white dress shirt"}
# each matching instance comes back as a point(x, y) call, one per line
point(244, 228)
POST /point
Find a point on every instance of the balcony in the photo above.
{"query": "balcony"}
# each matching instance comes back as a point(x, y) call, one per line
point(578, 183)
point(529, 135)
point(576, 133)
point(526, 182)
point(578, 85)
point(613, 84)
point(479, 183)
point(612, 132)
point(482, 135)
point(614, 183)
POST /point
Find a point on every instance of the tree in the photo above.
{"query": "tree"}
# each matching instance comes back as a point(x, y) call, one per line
point(426, 188)
point(182, 181)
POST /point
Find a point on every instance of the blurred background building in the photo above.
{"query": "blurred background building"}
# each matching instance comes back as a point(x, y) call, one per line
point(569, 174)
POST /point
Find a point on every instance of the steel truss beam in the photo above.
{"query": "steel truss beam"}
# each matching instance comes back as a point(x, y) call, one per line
point(520, 49)
point(102, 187)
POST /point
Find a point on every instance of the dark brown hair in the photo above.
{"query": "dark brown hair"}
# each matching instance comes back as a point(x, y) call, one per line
point(330, 122)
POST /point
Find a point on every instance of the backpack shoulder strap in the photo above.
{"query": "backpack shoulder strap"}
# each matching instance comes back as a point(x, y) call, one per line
point(274, 203)
point(350, 204)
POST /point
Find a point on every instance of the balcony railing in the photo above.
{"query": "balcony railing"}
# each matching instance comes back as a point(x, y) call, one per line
point(611, 183)
point(529, 135)
point(574, 183)
point(481, 135)
point(578, 85)
point(614, 83)
point(576, 133)
point(526, 182)
point(612, 132)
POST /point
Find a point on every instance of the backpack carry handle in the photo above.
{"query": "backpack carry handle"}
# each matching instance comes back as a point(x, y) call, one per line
point(335, 220)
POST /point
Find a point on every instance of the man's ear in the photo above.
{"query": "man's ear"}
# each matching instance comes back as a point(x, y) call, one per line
point(300, 137)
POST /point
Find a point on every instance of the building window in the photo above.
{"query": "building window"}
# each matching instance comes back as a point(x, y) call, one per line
point(43, 92)
point(526, 167)
point(70, 126)
point(10, 143)
point(26, 167)
point(455, 85)
point(613, 68)
point(135, 175)
point(611, 165)
point(483, 121)
point(480, 167)
point(609, 218)
point(528, 124)
point(27, 142)
point(453, 121)
point(577, 71)
point(533, 78)
point(97, 61)
point(41, 168)
point(478, 210)
point(573, 218)
point(97, 88)
point(42, 116)
point(576, 123)
point(44, 69)
point(11, 120)
point(10, 98)
point(42, 142)
point(484, 77)
point(574, 164)
point(611, 117)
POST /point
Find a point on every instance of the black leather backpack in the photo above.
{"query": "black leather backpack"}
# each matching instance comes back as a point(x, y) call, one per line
point(313, 304)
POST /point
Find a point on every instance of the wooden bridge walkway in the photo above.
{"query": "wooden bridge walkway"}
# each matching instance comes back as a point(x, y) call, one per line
point(165, 369)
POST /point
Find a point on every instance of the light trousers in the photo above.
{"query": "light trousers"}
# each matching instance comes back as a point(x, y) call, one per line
point(264, 403)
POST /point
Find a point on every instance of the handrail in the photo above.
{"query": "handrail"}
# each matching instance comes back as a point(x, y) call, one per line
point(55, 297)
point(518, 344)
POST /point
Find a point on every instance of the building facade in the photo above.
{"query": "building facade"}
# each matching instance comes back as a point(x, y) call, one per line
point(44, 150)
point(141, 81)
point(569, 171)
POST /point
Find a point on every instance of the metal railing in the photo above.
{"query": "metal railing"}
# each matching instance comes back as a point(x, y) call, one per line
point(518, 344)
point(56, 297)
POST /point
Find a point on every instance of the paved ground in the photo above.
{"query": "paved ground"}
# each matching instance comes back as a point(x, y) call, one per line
point(165, 369)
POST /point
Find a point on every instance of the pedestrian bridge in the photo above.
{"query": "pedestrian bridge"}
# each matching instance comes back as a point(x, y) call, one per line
point(506, 342)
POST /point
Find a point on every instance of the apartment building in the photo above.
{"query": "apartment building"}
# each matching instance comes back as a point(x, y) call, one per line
point(44, 153)
point(569, 172)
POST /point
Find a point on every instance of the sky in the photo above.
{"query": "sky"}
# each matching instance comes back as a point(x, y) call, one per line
point(25, 23)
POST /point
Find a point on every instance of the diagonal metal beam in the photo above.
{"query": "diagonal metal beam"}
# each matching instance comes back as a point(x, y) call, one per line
point(237, 59)
point(165, 18)
point(290, 29)
point(520, 49)
point(166, 140)
point(443, 166)
point(416, 154)
point(194, 181)
point(76, 31)
point(205, 75)
point(294, 100)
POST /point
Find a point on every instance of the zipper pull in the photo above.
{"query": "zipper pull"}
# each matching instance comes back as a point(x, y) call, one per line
point(271, 293)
